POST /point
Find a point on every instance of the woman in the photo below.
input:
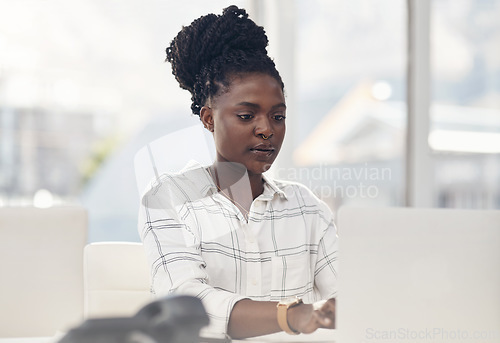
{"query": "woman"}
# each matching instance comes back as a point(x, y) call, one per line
point(226, 233)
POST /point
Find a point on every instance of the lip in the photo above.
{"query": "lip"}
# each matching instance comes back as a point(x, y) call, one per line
point(263, 149)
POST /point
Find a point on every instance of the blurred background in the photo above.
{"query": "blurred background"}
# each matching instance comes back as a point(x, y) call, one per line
point(84, 86)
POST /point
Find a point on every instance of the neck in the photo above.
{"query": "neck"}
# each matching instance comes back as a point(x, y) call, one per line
point(227, 174)
point(256, 184)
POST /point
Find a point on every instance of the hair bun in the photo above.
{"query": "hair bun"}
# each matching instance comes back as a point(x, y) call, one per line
point(234, 10)
point(209, 37)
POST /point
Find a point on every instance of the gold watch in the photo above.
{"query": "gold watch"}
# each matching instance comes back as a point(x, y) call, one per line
point(283, 307)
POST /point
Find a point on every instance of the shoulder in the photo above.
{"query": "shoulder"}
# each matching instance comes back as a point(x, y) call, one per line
point(299, 201)
point(192, 173)
point(190, 183)
point(297, 193)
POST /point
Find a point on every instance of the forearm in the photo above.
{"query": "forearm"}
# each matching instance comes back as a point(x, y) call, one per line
point(253, 318)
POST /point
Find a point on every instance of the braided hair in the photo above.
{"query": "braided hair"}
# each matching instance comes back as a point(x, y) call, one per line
point(214, 48)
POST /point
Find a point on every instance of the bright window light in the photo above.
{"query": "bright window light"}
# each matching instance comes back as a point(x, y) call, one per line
point(465, 141)
point(43, 199)
point(381, 91)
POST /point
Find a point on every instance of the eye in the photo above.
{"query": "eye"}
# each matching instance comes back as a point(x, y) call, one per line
point(245, 116)
point(279, 117)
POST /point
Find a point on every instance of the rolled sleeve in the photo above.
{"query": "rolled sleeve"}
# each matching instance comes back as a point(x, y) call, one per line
point(327, 263)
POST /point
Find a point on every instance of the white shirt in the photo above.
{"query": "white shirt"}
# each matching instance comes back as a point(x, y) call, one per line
point(198, 243)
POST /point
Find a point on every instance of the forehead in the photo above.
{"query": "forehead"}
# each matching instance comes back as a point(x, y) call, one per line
point(252, 87)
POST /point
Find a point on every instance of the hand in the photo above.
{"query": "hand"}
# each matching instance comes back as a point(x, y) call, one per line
point(305, 318)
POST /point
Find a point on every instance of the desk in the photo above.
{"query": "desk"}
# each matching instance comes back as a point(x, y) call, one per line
point(321, 335)
point(29, 340)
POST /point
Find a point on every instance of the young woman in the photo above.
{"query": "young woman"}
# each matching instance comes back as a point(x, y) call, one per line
point(260, 253)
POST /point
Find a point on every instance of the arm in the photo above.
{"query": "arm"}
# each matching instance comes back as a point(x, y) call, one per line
point(173, 252)
point(327, 264)
point(254, 318)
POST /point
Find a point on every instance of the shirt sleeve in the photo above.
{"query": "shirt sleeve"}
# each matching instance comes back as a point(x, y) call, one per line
point(327, 262)
point(173, 252)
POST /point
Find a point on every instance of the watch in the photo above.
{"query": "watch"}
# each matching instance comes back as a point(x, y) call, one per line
point(282, 313)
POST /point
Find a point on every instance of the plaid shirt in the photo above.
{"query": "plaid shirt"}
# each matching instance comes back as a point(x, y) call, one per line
point(199, 243)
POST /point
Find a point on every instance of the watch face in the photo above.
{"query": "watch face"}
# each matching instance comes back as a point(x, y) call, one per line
point(290, 301)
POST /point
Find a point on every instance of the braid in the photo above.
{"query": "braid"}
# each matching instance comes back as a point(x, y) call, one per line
point(207, 53)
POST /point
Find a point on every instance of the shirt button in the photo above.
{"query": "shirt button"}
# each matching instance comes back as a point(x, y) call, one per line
point(254, 282)
point(251, 240)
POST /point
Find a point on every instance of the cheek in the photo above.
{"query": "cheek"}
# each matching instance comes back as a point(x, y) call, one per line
point(280, 133)
point(227, 137)
point(226, 130)
point(219, 140)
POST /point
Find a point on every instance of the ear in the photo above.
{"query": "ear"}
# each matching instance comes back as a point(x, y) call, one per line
point(206, 117)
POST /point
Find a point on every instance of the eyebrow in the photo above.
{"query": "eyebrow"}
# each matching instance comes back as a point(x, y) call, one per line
point(253, 105)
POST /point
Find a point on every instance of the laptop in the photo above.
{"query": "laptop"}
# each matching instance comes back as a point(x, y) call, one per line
point(418, 275)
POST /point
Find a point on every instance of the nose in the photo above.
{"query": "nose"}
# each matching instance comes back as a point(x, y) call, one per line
point(263, 128)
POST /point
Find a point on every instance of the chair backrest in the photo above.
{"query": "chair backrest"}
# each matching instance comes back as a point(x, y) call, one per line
point(157, 158)
point(116, 279)
point(41, 269)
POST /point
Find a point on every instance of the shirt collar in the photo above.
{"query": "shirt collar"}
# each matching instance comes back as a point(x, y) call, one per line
point(270, 189)
point(207, 185)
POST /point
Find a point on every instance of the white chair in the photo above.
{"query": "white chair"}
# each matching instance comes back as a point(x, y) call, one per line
point(116, 279)
point(41, 269)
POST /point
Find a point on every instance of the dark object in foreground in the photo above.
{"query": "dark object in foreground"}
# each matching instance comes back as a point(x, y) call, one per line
point(175, 319)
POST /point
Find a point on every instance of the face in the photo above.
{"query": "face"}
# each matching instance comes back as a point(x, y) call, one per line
point(248, 121)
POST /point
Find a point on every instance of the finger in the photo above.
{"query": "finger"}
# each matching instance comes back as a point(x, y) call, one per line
point(328, 307)
point(323, 319)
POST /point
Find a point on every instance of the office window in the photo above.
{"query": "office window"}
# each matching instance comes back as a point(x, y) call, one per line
point(465, 108)
point(351, 89)
point(84, 85)
point(78, 100)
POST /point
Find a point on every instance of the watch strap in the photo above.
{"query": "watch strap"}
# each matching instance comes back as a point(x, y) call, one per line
point(282, 315)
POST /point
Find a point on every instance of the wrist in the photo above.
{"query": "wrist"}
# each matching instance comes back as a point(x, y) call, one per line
point(283, 311)
point(298, 315)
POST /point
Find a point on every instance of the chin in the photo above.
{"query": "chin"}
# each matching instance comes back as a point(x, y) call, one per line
point(266, 167)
